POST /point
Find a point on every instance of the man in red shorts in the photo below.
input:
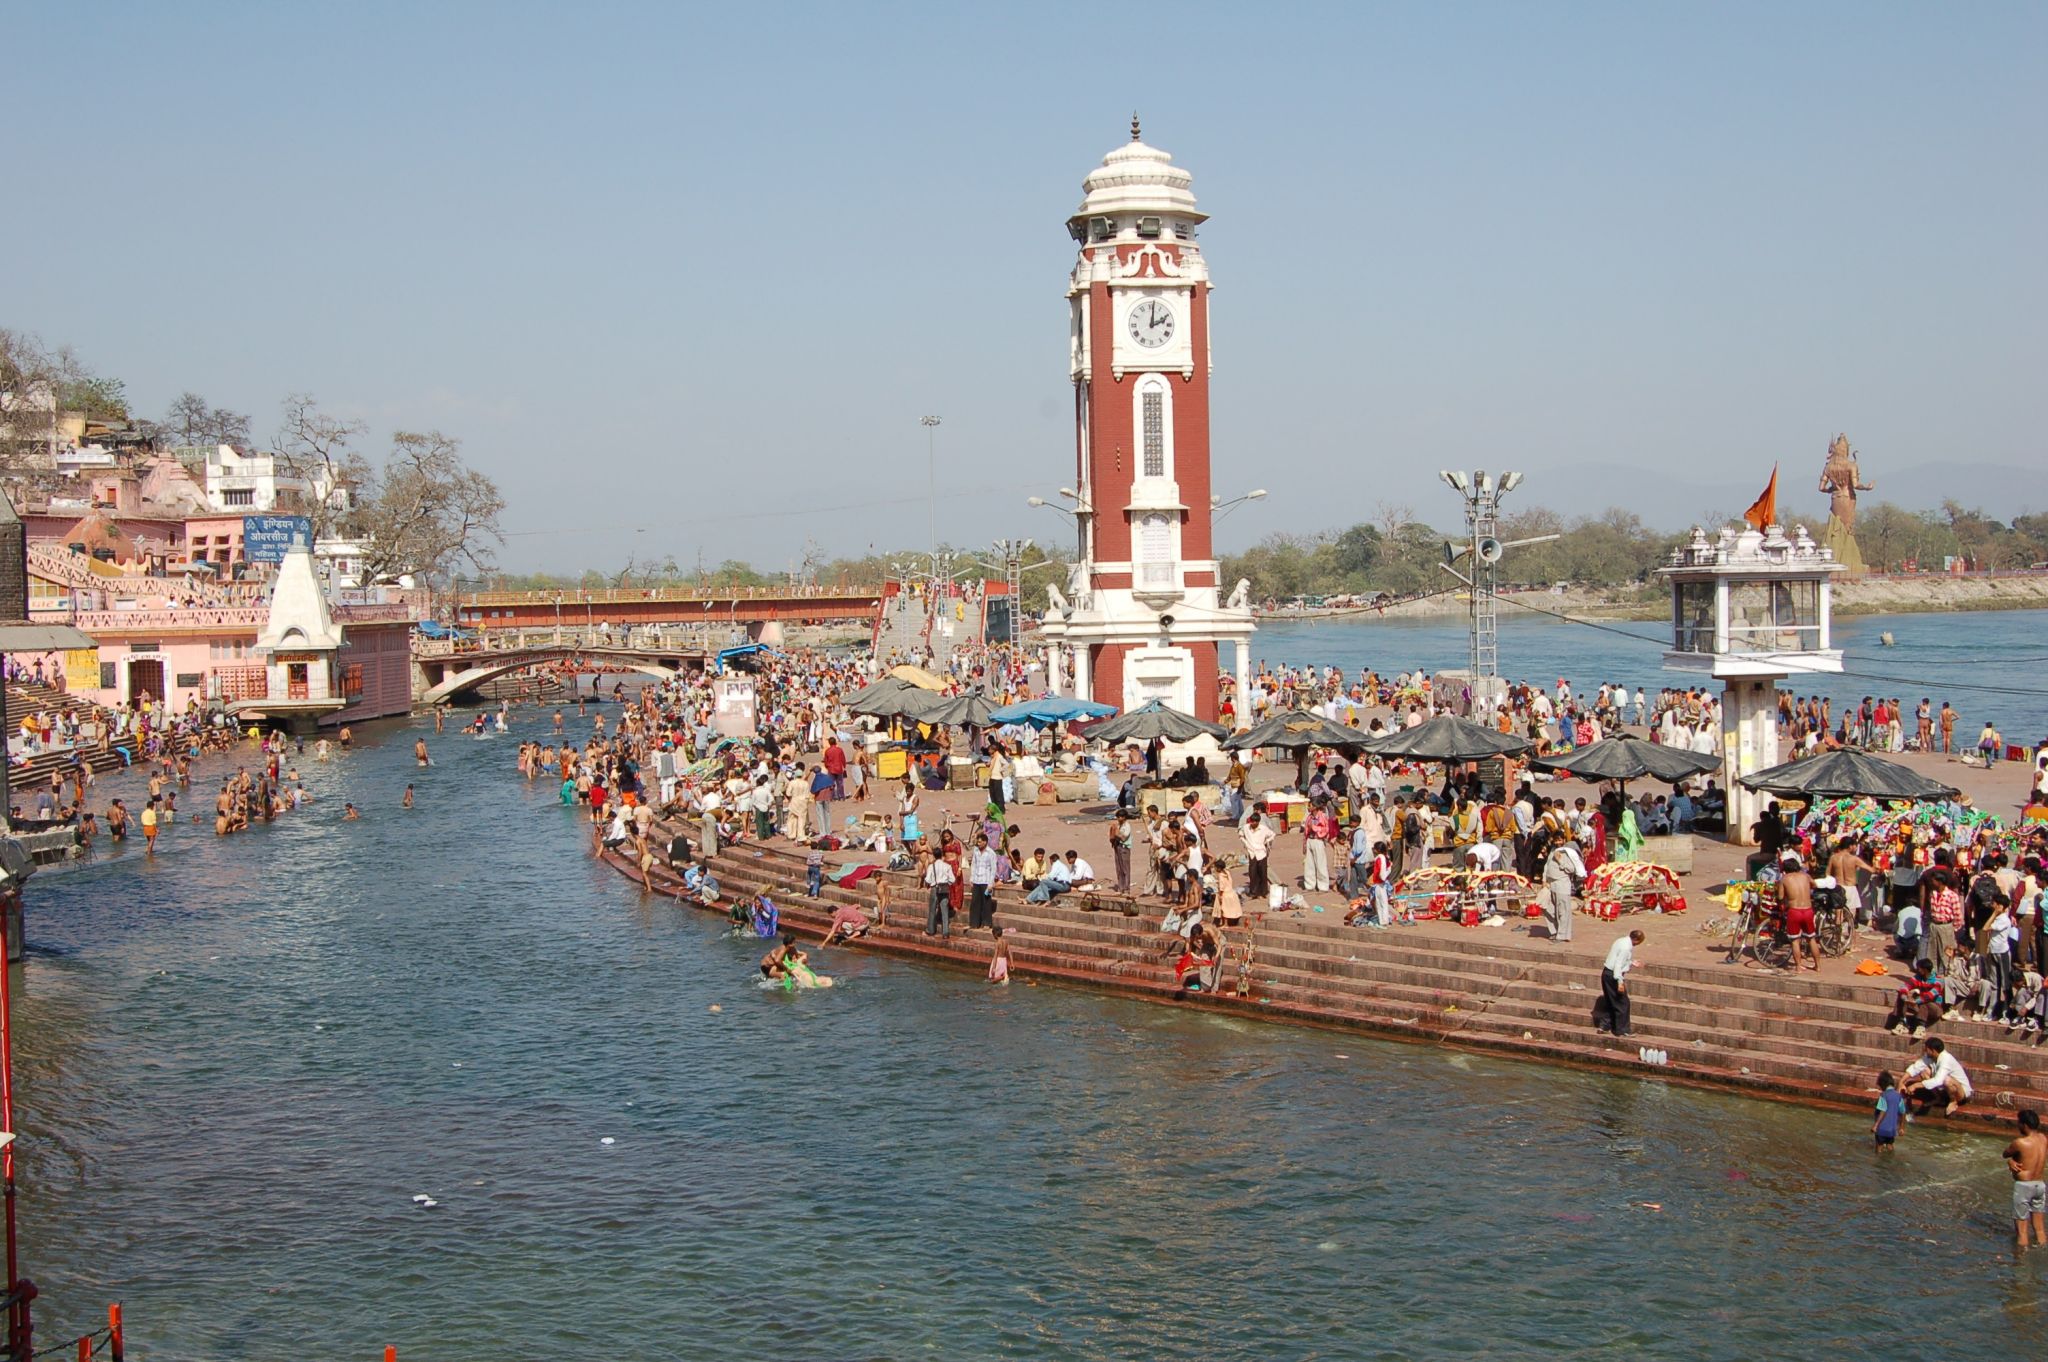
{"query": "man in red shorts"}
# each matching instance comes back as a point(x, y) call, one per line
point(1795, 901)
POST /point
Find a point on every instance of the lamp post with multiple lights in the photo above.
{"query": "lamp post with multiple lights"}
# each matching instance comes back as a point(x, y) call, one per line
point(1482, 492)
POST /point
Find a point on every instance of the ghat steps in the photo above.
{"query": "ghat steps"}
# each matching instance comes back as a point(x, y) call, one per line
point(1742, 1029)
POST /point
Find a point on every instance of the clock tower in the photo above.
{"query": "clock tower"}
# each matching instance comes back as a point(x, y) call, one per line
point(1146, 615)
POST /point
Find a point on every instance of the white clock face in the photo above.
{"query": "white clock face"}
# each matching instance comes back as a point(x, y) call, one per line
point(1151, 323)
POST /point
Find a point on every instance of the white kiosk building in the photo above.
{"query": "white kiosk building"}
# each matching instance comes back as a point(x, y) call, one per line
point(1751, 608)
point(298, 644)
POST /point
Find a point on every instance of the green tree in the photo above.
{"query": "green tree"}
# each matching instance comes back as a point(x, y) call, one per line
point(1357, 550)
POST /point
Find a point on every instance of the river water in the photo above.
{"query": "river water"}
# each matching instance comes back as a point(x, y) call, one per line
point(1988, 663)
point(240, 1063)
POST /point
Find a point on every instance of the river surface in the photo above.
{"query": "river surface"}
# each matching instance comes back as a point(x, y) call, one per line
point(1990, 664)
point(241, 1061)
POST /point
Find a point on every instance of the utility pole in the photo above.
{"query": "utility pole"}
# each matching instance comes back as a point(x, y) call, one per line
point(1012, 551)
point(1482, 493)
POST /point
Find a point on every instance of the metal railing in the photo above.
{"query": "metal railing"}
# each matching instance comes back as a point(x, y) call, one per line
point(640, 639)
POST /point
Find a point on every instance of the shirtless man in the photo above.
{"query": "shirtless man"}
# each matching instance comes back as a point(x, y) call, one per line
point(1842, 868)
point(1795, 900)
point(778, 961)
point(419, 751)
point(2027, 1158)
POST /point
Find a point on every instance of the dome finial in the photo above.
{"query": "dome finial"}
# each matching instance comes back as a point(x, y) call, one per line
point(1134, 126)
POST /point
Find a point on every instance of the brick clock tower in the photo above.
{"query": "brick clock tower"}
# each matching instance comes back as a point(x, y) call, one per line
point(1146, 615)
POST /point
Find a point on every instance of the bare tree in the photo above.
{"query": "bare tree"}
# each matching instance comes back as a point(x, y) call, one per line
point(428, 513)
point(1390, 518)
point(192, 420)
point(38, 386)
point(28, 403)
point(318, 447)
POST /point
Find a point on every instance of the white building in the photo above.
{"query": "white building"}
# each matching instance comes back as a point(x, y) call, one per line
point(1751, 608)
point(257, 482)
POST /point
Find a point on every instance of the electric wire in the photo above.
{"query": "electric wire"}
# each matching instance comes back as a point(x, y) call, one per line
point(1905, 681)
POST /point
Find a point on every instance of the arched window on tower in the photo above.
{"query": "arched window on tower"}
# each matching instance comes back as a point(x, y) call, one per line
point(1153, 407)
point(1155, 550)
point(1152, 422)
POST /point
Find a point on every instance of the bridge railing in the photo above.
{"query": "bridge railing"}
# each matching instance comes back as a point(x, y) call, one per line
point(598, 596)
point(642, 638)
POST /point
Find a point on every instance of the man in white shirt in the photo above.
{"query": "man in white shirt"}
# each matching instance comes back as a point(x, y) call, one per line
point(1484, 856)
point(1937, 1077)
point(1257, 837)
point(938, 912)
point(1611, 1012)
point(1058, 879)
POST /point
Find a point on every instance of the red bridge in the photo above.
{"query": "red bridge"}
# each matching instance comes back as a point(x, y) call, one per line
point(627, 607)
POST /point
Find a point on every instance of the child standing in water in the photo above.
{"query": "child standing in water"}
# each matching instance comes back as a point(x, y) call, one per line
point(1891, 1108)
point(999, 963)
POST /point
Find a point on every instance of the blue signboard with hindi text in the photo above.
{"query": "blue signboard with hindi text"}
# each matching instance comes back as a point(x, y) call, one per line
point(266, 537)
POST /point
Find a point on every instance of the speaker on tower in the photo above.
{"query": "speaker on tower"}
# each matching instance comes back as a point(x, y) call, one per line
point(1488, 549)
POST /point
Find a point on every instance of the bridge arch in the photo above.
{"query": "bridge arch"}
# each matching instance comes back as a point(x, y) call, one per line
point(451, 686)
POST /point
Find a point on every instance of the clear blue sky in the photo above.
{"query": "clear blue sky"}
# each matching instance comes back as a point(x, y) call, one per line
point(684, 277)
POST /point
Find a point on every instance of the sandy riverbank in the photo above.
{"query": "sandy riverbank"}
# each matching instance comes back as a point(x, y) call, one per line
point(1919, 594)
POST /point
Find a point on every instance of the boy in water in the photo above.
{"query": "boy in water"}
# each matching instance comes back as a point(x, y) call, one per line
point(1891, 1109)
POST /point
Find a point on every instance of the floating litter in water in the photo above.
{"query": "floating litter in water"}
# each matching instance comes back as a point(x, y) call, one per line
point(1343, 1056)
point(423, 1201)
point(1651, 1205)
point(456, 1065)
point(715, 1008)
point(606, 1140)
point(1328, 1246)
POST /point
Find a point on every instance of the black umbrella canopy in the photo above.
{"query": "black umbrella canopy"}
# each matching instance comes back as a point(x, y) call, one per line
point(1448, 738)
point(1155, 720)
point(1848, 775)
point(1630, 758)
point(969, 709)
point(1298, 729)
point(893, 696)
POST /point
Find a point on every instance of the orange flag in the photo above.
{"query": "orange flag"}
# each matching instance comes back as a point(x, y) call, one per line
point(1764, 513)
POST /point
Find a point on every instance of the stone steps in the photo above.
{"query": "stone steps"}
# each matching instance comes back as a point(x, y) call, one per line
point(1766, 1034)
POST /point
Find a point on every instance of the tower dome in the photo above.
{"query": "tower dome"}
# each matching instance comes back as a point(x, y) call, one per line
point(1136, 179)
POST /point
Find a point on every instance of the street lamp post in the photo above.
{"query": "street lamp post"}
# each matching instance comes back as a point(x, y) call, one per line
point(1219, 508)
point(931, 453)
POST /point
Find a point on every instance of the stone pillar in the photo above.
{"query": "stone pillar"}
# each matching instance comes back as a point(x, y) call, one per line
point(1054, 681)
point(1084, 680)
point(1749, 743)
point(1244, 683)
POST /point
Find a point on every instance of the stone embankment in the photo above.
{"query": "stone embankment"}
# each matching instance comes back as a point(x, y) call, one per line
point(1763, 1034)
